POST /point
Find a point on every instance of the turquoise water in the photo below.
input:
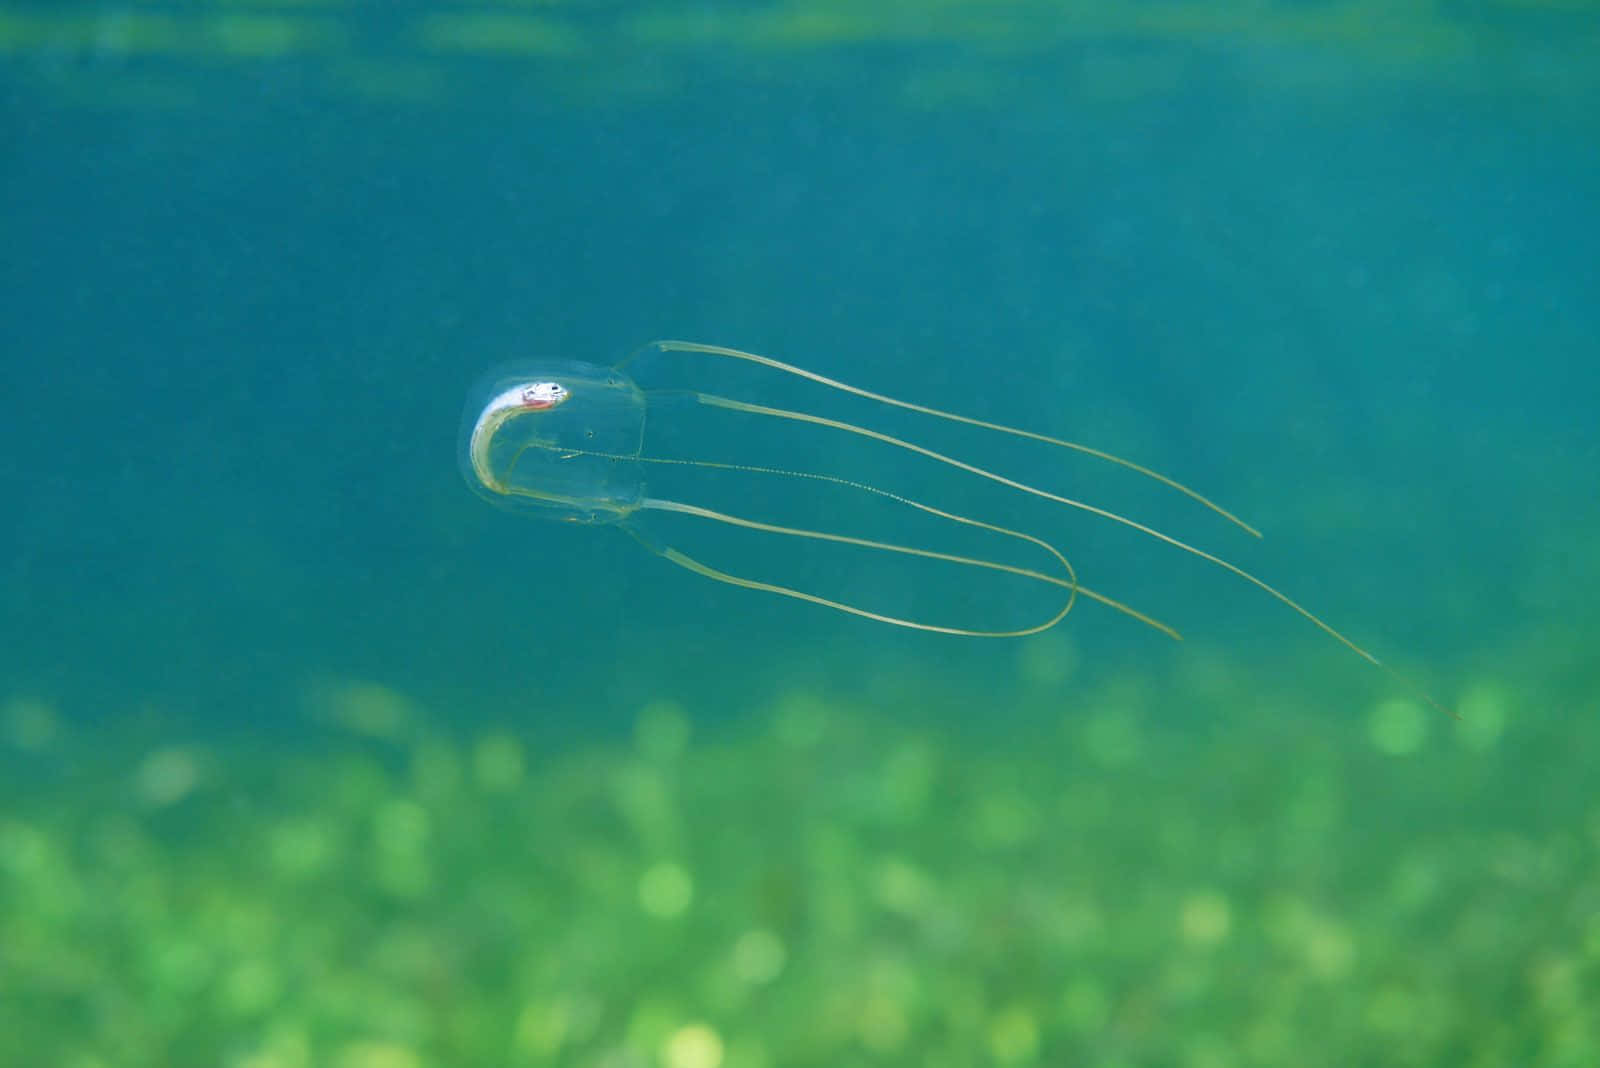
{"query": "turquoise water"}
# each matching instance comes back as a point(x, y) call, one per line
point(311, 756)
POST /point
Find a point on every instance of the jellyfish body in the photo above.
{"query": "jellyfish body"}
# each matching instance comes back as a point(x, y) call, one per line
point(571, 441)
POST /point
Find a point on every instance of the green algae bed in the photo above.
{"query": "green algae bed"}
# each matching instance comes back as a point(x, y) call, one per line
point(821, 882)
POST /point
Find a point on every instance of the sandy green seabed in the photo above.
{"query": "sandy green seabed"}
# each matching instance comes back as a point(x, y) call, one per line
point(818, 884)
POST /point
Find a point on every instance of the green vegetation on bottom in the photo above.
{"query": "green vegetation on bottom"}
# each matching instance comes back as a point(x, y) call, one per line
point(816, 885)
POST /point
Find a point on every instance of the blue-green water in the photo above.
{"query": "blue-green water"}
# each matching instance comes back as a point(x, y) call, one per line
point(312, 757)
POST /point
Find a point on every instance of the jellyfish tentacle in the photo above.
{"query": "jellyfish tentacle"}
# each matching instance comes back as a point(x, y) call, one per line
point(684, 560)
point(866, 487)
point(956, 417)
point(1104, 513)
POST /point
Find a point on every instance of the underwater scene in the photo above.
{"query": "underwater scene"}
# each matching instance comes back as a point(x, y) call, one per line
point(764, 533)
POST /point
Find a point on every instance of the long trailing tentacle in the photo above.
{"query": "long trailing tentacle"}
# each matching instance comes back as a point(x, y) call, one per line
point(1071, 582)
point(954, 417)
point(686, 561)
point(888, 439)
